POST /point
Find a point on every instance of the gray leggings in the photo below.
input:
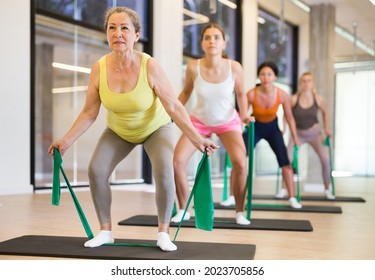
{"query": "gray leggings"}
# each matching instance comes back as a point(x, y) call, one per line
point(112, 149)
point(313, 137)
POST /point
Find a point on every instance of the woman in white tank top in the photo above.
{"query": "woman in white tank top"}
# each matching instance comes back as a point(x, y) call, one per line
point(217, 81)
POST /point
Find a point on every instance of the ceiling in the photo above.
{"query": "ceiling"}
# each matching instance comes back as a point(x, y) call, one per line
point(348, 12)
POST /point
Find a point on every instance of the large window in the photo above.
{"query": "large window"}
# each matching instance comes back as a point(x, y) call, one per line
point(90, 12)
point(354, 140)
point(276, 42)
point(197, 13)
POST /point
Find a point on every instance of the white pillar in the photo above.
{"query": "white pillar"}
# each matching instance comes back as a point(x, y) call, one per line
point(249, 41)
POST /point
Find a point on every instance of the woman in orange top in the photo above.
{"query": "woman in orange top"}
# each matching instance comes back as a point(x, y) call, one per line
point(265, 99)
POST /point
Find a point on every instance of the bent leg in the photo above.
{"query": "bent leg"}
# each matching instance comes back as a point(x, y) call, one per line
point(182, 154)
point(109, 151)
point(235, 147)
point(159, 147)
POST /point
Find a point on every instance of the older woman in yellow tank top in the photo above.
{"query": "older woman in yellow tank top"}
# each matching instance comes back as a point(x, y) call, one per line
point(140, 103)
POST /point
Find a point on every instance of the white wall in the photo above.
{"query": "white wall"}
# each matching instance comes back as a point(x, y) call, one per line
point(167, 44)
point(15, 97)
point(249, 41)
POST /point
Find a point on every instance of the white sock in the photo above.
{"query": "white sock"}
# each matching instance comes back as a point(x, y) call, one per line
point(294, 203)
point(229, 201)
point(103, 237)
point(241, 220)
point(177, 218)
point(329, 194)
point(165, 243)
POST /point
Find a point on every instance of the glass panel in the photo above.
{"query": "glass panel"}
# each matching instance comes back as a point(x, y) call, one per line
point(272, 47)
point(199, 12)
point(354, 123)
point(60, 93)
point(90, 12)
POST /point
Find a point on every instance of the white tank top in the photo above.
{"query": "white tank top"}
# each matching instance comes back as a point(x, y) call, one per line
point(215, 101)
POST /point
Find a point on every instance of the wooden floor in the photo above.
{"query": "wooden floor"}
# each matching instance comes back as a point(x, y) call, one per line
point(346, 236)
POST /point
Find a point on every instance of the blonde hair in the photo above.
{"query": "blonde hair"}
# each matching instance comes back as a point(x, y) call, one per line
point(131, 13)
point(307, 73)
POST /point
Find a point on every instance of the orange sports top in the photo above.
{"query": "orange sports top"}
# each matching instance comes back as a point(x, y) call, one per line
point(262, 114)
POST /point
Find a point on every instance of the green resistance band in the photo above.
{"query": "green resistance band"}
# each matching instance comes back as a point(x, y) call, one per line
point(328, 144)
point(56, 191)
point(227, 164)
point(203, 201)
point(277, 180)
point(250, 170)
point(295, 166)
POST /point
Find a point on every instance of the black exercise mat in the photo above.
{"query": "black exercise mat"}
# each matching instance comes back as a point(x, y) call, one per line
point(313, 198)
point(226, 223)
point(287, 208)
point(72, 247)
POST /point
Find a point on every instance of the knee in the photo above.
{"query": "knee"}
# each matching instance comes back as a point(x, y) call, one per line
point(178, 164)
point(287, 168)
point(239, 166)
point(96, 172)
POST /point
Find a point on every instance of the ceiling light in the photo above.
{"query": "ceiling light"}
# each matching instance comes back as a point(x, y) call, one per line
point(261, 20)
point(349, 36)
point(198, 17)
point(228, 3)
point(301, 5)
point(339, 30)
point(373, 2)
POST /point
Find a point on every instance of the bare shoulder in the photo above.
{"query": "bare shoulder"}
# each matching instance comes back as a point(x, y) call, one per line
point(250, 94)
point(320, 101)
point(319, 98)
point(192, 66)
point(284, 97)
point(236, 66)
point(152, 64)
point(293, 98)
point(95, 74)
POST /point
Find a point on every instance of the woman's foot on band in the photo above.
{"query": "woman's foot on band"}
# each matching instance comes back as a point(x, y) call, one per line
point(177, 218)
point(165, 243)
point(103, 237)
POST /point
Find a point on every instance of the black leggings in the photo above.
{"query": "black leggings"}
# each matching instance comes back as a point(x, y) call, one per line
point(271, 133)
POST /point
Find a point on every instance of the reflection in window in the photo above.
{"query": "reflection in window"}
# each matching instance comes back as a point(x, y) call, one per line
point(272, 47)
point(197, 13)
point(90, 12)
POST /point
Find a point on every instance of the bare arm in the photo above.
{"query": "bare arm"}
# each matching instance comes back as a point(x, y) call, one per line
point(189, 82)
point(163, 89)
point(86, 117)
point(323, 108)
point(289, 116)
point(293, 101)
point(241, 96)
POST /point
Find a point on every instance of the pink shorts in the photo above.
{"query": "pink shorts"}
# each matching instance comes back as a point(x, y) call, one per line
point(206, 130)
